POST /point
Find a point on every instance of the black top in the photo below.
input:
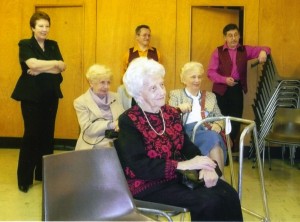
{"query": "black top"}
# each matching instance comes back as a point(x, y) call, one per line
point(44, 85)
point(150, 160)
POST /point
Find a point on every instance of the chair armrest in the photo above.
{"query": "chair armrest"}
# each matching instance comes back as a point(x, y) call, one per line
point(164, 208)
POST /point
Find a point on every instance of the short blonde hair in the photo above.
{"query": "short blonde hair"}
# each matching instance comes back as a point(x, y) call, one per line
point(189, 67)
point(97, 71)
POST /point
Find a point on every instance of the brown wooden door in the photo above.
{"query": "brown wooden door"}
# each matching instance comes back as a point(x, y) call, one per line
point(206, 33)
point(73, 27)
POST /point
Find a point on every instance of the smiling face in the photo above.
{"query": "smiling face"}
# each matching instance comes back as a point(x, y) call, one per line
point(41, 29)
point(192, 81)
point(153, 94)
point(143, 38)
point(232, 38)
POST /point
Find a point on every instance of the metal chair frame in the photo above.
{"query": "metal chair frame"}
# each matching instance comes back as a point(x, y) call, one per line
point(81, 185)
point(251, 126)
point(291, 117)
point(264, 116)
point(273, 91)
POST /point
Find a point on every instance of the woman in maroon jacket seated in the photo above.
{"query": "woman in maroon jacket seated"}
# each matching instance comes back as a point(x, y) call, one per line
point(153, 148)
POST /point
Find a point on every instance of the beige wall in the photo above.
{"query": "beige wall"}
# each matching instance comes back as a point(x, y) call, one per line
point(108, 31)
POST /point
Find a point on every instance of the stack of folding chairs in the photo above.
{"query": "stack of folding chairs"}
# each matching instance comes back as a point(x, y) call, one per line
point(273, 91)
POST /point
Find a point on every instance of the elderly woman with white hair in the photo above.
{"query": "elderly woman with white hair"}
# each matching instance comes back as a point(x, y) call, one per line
point(195, 105)
point(98, 110)
point(154, 151)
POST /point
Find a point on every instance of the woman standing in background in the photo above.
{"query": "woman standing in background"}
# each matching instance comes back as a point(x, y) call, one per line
point(38, 89)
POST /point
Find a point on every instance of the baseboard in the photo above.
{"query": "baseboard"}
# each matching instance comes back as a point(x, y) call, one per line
point(59, 144)
point(69, 144)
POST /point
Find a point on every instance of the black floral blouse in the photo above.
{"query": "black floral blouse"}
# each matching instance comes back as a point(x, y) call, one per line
point(149, 159)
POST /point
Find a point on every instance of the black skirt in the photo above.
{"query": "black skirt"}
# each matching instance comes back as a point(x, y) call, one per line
point(219, 203)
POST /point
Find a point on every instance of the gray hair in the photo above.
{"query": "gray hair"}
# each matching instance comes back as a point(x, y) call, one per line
point(96, 72)
point(138, 70)
point(191, 66)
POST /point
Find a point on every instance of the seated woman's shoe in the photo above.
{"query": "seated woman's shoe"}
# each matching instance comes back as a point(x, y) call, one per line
point(24, 188)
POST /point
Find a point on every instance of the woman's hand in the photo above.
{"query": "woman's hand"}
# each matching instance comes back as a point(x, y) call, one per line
point(185, 107)
point(61, 65)
point(210, 177)
point(32, 72)
point(117, 129)
point(197, 163)
point(215, 127)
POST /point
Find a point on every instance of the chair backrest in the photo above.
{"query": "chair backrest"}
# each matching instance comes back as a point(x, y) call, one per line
point(287, 123)
point(85, 185)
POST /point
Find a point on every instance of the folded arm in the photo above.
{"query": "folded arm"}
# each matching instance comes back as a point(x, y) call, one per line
point(37, 66)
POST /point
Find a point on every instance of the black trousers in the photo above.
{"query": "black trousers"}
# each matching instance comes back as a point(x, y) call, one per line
point(231, 104)
point(219, 203)
point(38, 138)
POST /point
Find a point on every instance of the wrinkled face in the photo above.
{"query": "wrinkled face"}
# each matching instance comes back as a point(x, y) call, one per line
point(41, 29)
point(144, 37)
point(192, 81)
point(232, 38)
point(153, 94)
point(101, 86)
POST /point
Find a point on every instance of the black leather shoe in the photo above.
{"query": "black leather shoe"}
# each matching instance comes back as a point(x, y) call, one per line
point(39, 179)
point(24, 188)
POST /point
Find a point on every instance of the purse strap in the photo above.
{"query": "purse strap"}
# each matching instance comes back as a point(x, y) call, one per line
point(202, 104)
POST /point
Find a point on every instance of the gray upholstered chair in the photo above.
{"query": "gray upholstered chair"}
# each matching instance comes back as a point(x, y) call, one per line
point(90, 185)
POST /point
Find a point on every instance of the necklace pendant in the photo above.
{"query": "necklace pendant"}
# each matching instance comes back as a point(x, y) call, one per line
point(163, 120)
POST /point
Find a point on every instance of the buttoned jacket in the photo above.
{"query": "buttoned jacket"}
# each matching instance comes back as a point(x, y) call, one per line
point(211, 108)
point(92, 122)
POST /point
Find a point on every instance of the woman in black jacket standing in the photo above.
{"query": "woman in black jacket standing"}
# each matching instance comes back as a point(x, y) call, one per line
point(38, 89)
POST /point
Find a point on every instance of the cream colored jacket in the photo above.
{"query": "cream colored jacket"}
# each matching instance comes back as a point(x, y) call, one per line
point(91, 122)
point(211, 108)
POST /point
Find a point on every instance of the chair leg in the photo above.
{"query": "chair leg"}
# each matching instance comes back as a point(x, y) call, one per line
point(283, 152)
point(263, 155)
point(269, 154)
point(292, 154)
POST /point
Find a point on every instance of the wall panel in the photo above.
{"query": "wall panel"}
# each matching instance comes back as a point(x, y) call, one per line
point(279, 27)
point(10, 114)
point(116, 23)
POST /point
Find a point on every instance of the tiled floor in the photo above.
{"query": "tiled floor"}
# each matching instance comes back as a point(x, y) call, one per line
point(282, 186)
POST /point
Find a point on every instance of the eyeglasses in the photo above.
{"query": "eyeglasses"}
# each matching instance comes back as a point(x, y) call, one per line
point(235, 35)
point(145, 35)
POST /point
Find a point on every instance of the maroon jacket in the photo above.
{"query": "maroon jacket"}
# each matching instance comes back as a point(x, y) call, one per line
point(152, 54)
point(225, 67)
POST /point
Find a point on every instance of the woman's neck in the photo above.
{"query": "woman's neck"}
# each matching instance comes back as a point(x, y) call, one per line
point(149, 109)
point(193, 92)
point(41, 43)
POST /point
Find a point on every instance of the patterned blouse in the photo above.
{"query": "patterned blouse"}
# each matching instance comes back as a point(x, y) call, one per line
point(150, 160)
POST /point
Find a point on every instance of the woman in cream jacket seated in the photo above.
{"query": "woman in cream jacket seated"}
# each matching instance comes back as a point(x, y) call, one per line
point(195, 105)
point(98, 109)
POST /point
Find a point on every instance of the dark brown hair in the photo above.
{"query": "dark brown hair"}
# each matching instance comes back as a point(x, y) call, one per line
point(37, 16)
point(138, 28)
point(230, 27)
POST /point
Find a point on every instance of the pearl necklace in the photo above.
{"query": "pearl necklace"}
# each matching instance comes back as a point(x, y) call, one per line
point(164, 124)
